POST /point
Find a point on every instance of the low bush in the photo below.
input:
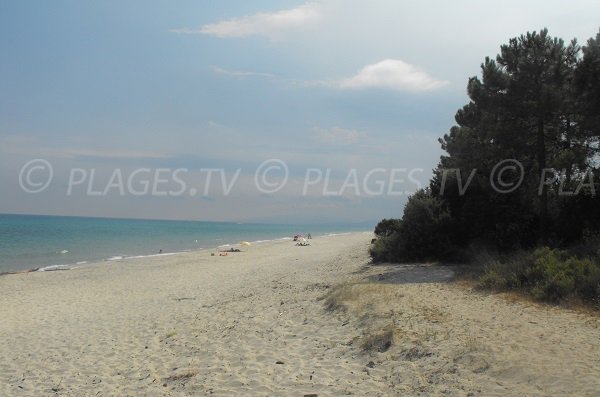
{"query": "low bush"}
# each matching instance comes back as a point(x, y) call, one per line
point(386, 227)
point(385, 248)
point(423, 234)
point(555, 276)
point(546, 274)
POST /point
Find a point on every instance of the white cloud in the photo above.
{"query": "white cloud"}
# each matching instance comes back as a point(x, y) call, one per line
point(184, 30)
point(241, 73)
point(271, 25)
point(338, 135)
point(393, 74)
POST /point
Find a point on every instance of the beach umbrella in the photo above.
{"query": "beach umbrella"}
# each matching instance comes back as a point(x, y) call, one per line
point(244, 243)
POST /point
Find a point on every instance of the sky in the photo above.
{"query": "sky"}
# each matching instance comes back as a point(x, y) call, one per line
point(266, 111)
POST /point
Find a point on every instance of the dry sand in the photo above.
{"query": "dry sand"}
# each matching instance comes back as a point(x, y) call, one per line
point(274, 321)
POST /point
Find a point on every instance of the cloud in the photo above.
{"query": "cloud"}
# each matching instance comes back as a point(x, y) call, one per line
point(338, 135)
point(392, 74)
point(215, 124)
point(184, 30)
point(271, 25)
point(241, 73)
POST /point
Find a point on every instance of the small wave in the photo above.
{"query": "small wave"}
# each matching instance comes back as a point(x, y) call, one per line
point(151, 255)
point(64, 252)
point(53, 268)
point(115, 258)
point(81, 262)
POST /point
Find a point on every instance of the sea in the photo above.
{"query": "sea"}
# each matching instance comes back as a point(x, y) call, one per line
point(55, 242)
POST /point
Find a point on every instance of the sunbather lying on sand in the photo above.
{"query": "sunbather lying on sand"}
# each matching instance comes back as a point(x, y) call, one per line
point(231, 250)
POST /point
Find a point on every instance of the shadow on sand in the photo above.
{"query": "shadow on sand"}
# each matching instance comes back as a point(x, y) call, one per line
point(411, 273)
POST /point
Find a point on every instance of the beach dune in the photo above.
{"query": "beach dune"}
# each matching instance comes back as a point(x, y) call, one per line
point(256, 323)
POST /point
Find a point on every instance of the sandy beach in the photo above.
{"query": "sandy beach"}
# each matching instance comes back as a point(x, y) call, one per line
point(283, 320)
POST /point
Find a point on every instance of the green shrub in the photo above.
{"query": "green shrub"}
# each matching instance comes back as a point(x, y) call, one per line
point(386, 227)
point(492, 279)
point(506, 274)
point(423, 233)
point(549, 275)
point(557, 276)
point(385, 248)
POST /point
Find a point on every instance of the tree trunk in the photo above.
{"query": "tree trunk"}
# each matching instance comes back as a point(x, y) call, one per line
point(541, 157)
point(569, 170)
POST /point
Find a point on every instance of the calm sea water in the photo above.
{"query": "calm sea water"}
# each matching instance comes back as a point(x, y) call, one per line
point(32, 241)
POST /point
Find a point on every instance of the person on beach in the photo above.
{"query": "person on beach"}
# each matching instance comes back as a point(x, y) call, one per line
point(231, 250)
point(308, 236)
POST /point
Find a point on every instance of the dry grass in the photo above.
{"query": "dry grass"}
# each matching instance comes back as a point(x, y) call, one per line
point(472, 344)
point(182, 376)
point(394, 320)
point(388, 317)
point(363, 298)
point(433, 314)
point(518, 297)
point(379, 341)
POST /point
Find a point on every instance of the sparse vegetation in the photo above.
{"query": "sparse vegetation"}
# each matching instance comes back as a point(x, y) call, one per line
point(376, 307)
point(549, 275)
point(182, 376)
point(378, 341)
point(362, 298)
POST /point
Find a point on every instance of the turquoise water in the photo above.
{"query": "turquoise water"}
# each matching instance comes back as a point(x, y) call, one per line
point(33, 241)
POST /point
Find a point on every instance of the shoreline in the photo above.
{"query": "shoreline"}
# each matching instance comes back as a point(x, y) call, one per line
point(120, 258)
